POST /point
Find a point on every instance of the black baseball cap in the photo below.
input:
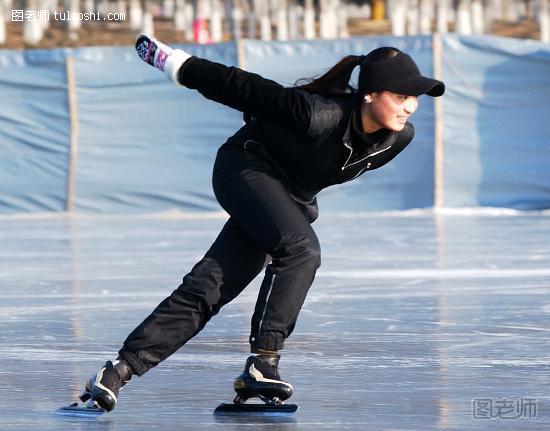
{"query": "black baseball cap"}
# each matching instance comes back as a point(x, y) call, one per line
point(398, 74)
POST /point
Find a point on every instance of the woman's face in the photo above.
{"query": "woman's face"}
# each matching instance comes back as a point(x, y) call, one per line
point(388, 110)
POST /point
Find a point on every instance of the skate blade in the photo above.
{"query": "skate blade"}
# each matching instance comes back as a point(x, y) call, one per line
point(80, 411)
point(256, 409)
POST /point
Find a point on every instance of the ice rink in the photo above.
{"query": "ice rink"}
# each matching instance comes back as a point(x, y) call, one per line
point(415, 321)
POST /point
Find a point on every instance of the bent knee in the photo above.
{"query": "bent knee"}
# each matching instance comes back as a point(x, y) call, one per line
point(305, 250)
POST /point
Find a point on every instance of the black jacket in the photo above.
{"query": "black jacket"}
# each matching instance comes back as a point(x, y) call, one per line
point(310, 138)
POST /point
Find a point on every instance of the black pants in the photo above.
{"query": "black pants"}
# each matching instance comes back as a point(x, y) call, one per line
point(266, 223)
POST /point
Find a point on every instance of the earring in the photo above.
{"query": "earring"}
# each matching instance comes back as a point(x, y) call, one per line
point(368, 99)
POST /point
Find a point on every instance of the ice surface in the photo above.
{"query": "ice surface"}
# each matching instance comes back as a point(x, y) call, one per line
point(411, 317)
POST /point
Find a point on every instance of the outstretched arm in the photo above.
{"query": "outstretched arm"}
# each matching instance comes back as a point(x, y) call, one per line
point(247, 92)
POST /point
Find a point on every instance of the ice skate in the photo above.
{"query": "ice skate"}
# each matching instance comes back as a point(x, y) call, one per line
point(260, 379)
point(103, 388)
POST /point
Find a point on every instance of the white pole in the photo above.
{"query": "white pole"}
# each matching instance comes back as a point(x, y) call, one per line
point(442, 16)
point(44, 5)
point(189, 15)
point(282, 20)
point(398, 17)
point(216, 25)
point(309, 20)
point(237, 18)
point(489, 14)
point(7, 9)
point(136, 15)
point(544, 21)
point(334, 4)
point(32, 30)
point(73, 146)
point(511, 11)
point(464, 18)
point(324, 31)
point(413, 26)
point(295, 13)
point(265, 28)
point(75, 23)
point(426, 16)
point(251, 18)
point(265, 23)
point(3, 13)
point(168, 8)
point(438, 127)
point(327, 19)
point(179, 15)
point(496, 9)
point(478, 22)
point(89, 6)
point(342, 13)
point(147, 25)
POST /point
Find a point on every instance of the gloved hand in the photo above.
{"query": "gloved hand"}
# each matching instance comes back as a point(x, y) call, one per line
point(161, 56)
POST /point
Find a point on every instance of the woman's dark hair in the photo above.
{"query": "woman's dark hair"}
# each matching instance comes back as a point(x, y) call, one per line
point(336, 81)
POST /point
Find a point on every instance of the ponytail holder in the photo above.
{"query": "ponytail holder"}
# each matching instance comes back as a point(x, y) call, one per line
point(360, 59)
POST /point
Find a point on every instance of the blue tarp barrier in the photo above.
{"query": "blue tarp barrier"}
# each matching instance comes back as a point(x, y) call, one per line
point(34, 131)
point(145, 145)
point(496, 122)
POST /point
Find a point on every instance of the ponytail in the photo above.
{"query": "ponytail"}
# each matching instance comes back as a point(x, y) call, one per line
point(334, 82)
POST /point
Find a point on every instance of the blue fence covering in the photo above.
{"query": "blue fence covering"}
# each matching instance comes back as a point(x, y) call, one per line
point(141, 144)
point(497, 122)
point(145, 144)
point(34, 131)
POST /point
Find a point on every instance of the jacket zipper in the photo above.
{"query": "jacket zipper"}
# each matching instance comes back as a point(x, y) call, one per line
point(350, 148)
point(364, 158)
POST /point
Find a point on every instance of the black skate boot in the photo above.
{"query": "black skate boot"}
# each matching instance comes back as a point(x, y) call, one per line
point(261, 379)
point(102, 389)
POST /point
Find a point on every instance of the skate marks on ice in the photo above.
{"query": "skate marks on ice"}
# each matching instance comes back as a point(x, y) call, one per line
point(239, 420)
point(409, 320)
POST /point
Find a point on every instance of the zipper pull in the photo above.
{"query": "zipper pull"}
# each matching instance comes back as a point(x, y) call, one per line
point(347, 144)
